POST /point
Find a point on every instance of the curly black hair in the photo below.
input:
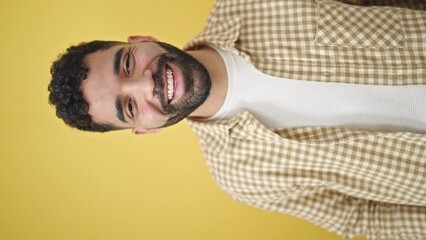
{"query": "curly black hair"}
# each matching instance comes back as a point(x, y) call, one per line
point(68, 72)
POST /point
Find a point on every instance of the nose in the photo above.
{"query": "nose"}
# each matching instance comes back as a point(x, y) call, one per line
point(140, 87)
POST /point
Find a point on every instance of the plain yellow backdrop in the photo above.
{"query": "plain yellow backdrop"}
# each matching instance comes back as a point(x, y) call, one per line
point(57, 183)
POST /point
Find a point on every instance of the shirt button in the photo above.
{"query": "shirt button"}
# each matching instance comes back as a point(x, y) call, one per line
point(251, 127)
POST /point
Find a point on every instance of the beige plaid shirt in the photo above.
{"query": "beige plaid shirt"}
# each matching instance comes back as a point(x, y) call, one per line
point(353, 183)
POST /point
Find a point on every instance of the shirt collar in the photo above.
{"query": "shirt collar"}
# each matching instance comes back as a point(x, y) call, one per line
point(223, 34)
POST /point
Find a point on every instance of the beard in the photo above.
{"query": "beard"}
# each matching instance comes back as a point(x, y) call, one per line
point(196, 81)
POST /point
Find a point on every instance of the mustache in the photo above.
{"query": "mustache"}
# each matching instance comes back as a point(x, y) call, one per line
point(159, 85)
point(192, 72)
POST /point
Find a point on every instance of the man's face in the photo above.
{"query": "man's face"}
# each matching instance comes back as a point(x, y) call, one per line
point(144, 85)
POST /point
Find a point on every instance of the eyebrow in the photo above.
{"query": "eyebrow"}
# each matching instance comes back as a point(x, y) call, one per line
point(117, 60)
point(119, 110)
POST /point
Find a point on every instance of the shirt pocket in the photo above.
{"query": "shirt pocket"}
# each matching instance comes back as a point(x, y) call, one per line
point(345, 25)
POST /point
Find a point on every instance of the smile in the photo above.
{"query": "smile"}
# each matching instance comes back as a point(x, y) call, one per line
point(170, 84)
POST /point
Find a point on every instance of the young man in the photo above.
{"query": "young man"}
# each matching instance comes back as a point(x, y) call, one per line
point(310, 108)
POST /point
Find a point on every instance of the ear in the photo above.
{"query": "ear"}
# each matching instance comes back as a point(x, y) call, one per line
point(138, 38)
point(139, 131)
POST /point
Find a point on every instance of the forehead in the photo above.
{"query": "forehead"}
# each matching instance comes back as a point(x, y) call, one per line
point(100, 88)
point(102, 60)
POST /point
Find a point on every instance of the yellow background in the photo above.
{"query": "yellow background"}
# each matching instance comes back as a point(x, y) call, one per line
point(58, 183)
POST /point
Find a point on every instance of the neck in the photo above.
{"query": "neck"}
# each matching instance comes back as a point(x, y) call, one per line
point(214, 64)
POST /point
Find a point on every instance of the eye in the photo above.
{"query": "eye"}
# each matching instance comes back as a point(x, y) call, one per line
point(127, 68)
point(130, 107)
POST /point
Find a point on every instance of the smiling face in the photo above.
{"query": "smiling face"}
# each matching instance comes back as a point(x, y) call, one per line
point(145, 85)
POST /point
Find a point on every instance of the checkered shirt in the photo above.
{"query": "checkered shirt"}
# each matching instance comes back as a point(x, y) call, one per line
point(353, 183)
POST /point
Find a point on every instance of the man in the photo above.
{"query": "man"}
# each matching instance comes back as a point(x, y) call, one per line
point(311, 108)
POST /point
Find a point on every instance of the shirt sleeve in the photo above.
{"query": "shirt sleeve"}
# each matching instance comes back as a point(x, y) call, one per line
point(410, 4)
point(352, 183)
point(350, 217)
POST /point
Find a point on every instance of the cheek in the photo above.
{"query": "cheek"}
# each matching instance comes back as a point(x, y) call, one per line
point(147, 57)
point(152, 120)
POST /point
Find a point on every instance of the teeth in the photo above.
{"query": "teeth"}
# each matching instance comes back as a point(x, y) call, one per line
point(170, 89)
